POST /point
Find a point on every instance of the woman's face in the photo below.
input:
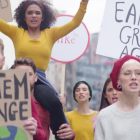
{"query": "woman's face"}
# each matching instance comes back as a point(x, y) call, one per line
point(82, 93)
point(33, 16)
point(111, 94)
point(129, 78)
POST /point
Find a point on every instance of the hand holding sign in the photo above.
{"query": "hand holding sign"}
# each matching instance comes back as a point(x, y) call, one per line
point(15, 104)
point(31, 125)
point(5, 10)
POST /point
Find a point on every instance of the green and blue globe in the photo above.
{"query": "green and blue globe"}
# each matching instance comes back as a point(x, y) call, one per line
point(12, 133)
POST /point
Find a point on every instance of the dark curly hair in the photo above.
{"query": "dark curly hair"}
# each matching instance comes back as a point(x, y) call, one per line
point(48, 14)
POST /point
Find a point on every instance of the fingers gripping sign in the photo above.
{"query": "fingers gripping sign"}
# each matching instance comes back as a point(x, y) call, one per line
point(62, 99)
point(31, 125)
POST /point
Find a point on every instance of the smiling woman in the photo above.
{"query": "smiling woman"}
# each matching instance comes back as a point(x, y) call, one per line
point(125, 77)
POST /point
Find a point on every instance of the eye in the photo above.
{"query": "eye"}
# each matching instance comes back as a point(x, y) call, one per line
point(30, 74)
point(77, 90)
point(30, 12)
point(110, 89)
point(38, 13)
point(127, 73)
point(84, 89)
point(137, 73)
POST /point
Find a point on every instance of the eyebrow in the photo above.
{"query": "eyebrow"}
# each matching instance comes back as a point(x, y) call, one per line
point(110, 88)
point(33, 10)
point(82, 88)
point(131, 70)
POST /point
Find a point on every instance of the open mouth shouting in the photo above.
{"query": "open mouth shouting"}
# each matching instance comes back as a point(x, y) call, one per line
point(33, 21)
point(81, 97)
point(115, 99)
point(133, 85)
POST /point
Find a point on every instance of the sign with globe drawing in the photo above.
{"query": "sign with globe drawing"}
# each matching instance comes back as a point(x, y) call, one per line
point(12, 133)
point(15, 104)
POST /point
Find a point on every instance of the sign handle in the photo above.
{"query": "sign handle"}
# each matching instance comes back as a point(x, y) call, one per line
point(63, 78)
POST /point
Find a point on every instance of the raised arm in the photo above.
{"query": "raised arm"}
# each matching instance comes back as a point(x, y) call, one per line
point(7, 29)
point(59, 32)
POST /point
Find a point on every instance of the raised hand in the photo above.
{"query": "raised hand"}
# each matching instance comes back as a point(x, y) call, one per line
point(62, 99)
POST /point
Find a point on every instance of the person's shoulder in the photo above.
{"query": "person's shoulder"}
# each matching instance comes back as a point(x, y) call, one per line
point(95, 112)
point(104, 113)
point(70, 112)
point(70, 115)
point(18, 29)
point(50, 29)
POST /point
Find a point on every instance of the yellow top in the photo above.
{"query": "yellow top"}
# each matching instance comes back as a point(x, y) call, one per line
point(81, 125)
point(40, 49)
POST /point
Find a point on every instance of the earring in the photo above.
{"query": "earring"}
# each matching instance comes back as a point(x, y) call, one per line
point(119, 86)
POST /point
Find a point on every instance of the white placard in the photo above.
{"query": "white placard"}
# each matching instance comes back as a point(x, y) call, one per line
point(72, 46)
point(120, 32)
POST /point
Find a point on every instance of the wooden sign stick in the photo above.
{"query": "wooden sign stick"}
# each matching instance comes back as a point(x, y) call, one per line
point(63, 78)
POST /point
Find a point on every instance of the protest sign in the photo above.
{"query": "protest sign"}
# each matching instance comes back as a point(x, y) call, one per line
point(120, 32)
point(72, 46)
point(15, 104)
point(5, 10)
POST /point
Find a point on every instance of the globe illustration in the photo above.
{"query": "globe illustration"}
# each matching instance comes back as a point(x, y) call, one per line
point(12, 133)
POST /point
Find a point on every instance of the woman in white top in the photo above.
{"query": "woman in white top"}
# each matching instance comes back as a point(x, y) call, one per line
point(121, 121)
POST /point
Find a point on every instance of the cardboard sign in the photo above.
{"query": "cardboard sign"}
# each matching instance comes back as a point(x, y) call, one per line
point(120, 33)
point(72, 46)
point(15, 104)
point(5, 10)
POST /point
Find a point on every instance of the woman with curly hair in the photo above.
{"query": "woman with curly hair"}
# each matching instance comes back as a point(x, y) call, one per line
point(33, 38)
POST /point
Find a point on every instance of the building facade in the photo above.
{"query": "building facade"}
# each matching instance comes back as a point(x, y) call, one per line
point(90, 67)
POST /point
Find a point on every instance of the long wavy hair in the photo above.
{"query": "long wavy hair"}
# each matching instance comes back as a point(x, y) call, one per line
point(48, 13)
point(104, 102)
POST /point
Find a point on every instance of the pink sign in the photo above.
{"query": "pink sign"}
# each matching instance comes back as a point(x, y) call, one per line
point(72, 46)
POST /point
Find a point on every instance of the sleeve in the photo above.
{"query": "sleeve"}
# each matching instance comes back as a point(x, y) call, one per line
point(99, 133)
point(59, 32)
point(7, 29)
point(41, 135)
point(94, 120)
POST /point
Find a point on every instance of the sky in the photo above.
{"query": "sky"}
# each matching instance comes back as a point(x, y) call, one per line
point(92, 19)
